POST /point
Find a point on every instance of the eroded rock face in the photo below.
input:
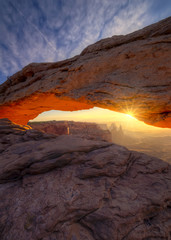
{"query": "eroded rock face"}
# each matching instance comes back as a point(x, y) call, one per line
point(121, 73)
point(67, 187)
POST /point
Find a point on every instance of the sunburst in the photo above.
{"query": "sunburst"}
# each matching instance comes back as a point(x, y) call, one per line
point(131, 109)
point(130, 115)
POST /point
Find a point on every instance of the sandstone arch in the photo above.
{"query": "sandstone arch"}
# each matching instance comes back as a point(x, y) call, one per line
point(121, 73)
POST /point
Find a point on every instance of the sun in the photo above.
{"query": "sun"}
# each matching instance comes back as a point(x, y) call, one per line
point(130, 109)
point(130, 115)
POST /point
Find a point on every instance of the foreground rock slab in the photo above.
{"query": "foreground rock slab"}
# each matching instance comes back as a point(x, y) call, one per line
point(123, 73)
point(67, 187)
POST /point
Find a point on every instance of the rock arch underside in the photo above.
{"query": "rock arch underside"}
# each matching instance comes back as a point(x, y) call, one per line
point(121, 73)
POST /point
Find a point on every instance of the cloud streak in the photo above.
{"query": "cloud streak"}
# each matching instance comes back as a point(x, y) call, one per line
point(52, 30)
point(35, 27)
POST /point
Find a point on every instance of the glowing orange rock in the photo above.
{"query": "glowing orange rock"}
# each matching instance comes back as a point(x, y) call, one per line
point(121, 73)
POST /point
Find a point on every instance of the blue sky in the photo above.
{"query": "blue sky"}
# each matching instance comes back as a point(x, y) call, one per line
point(52, 30)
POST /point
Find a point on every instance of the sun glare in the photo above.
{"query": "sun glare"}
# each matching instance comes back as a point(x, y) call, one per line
point(130, 114)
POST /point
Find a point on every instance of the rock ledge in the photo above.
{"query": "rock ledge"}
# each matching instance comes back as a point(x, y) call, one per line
point(67, 187)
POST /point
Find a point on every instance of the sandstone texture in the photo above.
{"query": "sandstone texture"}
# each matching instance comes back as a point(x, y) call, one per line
point(129, 73)
point(91, 131)
point(72, 188)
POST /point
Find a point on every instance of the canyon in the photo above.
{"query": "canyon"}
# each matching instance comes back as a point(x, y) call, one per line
point(91, 131)
point(151, 144)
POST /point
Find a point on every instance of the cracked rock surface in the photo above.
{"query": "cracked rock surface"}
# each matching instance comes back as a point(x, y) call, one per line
point(128, 73)
point(72, 188)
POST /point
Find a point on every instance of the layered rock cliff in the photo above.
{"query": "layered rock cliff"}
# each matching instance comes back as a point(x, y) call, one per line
point(70, 188)
point(123, 73)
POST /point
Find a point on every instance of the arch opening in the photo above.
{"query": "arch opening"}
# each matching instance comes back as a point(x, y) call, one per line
point(123, 129)
point(100, 115)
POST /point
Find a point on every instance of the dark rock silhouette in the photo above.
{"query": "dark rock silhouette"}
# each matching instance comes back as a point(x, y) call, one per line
point(68, 187)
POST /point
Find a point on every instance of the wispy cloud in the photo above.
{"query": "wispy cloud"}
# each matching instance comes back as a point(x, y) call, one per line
point(49, 44)
point(52, 30)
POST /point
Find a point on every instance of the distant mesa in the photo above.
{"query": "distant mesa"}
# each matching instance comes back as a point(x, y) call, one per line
point(121, 73)
point(91, 131)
